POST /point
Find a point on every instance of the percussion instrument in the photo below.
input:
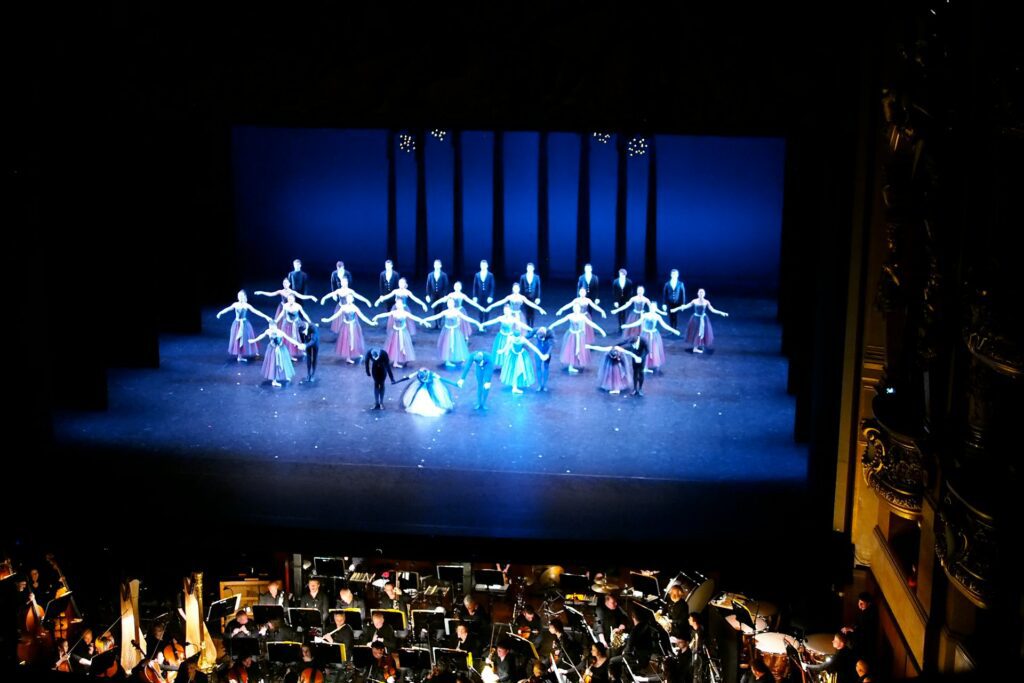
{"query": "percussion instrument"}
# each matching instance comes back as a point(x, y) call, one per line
point(604, 587)
point(818, 647)
point(551, 576)
point(771, 647)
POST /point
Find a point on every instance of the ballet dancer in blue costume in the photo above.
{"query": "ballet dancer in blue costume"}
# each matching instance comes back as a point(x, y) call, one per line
point(427, 394)
point(699, 331)
point(277, 364)
point(518, 371)
point(241, 328)
point(508, 323)
point(451, 343)
point(515, 302)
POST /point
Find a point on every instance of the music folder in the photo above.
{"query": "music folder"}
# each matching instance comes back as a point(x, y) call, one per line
point(284, 652)
point(242, 647)
point(264, 614)
point(223, 609)
point(326, 653)
point(457, 659)
point(361, 656)
point(304, 617)
point(353, 617)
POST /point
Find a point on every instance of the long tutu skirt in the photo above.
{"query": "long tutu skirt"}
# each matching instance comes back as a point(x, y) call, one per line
point(337, 322)
point(579, 358)
point(451, 345)
point(693, 335)
point(238, 343)
point(519, 370)
point(613, 376)
point(429, 401)
point(588, 331)
point(277, 364)
point(500, 340)
point(399, 346)
point(350, 343)
point(292, 330)
point(655, 349)
point(632, 331)
point(467, 329)
point(409, 325)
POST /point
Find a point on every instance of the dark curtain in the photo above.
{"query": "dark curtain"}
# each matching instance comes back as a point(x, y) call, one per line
point(543, 254)
point(651, 234)
point(421, 202)
point(620, 203)
point(583, 205)
point(456, 269)
point(498, 217)
point(392, 199)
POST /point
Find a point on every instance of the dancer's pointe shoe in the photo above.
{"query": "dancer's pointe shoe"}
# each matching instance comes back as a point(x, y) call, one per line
point(613, 392)
point(573, 371)
point(516, 390)
point(649, 371)
point(696, 350)
point(275, 383)
point(350, 361)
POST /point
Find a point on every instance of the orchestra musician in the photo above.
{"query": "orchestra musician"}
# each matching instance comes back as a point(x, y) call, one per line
point(699, 665)
point(475, 616)
point(242, 627)
point(190, 673)
point(610, 620)
point(646, 639)
point(505, 667)
point(757, 673)
point(348, 600)
point(393, 599)
point(562, 646)
point(239, 673)
point(315, 598)
point(528, 626)
point(464, 640)
point(384, 668)
point(678, 613)
point(598, 670)
point(380, 632)
point(274, 595)
point(340, 633)
point(843, 664)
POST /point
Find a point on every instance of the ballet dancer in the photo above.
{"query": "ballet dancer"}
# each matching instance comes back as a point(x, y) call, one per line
point(518, 371)
point(637, 348)
point(460, 298)
point(298, 279)
point(310, 338)
point(378, 366)
point(585, 304)
point(698, 329)
point(350, 344)
point(612, 376)
point(399, 343)
point(482, 365)
point(277, 363)
point(340, 274)
point(638, 301)
point(288, 321)
point(437, 285)
point(451, 343)
point(673, 294)
point(483, 288)
point(515, 302)
point(575, 354)
point(529, 285)
point(427, 394)
point(388, 279)
point(649, 323)
point(285, 291)
point(338, 294)
point(622, 291)
point(508, 323)
point(241, 328)
point(543, 339)
point(591, 283)
point(401, 294)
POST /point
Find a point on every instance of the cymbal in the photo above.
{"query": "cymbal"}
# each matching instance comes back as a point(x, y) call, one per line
point(604, 587)
point(551, 576)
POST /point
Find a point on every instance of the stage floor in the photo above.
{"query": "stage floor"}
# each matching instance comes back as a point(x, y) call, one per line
point(708, 423)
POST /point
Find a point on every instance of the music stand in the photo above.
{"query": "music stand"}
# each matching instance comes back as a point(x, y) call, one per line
point(103, 660)
point(353, 617)
point(576, 584)
point(428, 619)
point(239, 648)
point(333, 567)
point(457, 660)
point(327, 653)
point(415, 658)
point(408, 581)
point(361, 656)
point(265, 614)
point(223, 609)
point(744, 616)
point(304, 618)
point(450, 624)
point(284, 652)
point(489, 580)
point(452, 573)
point(646, 585)
point(55, 607)
point(393, 617)
point(523, 647)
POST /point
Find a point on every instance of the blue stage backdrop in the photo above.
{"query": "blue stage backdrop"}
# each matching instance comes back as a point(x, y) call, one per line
point(321, 195)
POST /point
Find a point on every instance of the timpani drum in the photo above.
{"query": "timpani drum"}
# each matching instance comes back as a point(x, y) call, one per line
point(771, 648)
point(818, 647)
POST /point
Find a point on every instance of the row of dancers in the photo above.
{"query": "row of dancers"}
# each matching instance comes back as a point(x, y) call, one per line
point(291, 333)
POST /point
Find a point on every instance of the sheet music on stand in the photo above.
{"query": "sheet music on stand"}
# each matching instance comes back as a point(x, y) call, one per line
point(223, 609)
point(645, 675)
point(327, 653)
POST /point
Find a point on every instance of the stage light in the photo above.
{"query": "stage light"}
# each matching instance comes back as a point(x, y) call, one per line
point(603, 138)
point(407, 143)
point(439, 134)
point(637, 146)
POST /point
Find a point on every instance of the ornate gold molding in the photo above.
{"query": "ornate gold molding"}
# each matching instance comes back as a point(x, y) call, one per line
point(965, 542)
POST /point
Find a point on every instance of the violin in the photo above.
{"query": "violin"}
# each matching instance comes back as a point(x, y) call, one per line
point(311, 675)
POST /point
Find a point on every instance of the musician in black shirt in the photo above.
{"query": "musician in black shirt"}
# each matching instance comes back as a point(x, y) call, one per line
point(340, 632)
point(393, 599)
point(609, 619)
point(465, 641)
point(380, 632)
point(528, 626)
point(562, 643)
point(314, 598)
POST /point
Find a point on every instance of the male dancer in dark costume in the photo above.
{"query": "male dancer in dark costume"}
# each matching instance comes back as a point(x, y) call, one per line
point(673, 295)
point(298, 278)
point(483, 363)
point(483, 289)
point(638, 345)
point(622, 291)
point(388, 281)
point(437, 287)
point(591, 283)
point(378, 366)
point(544, 340)
point(310, 336)
point(529, 286)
